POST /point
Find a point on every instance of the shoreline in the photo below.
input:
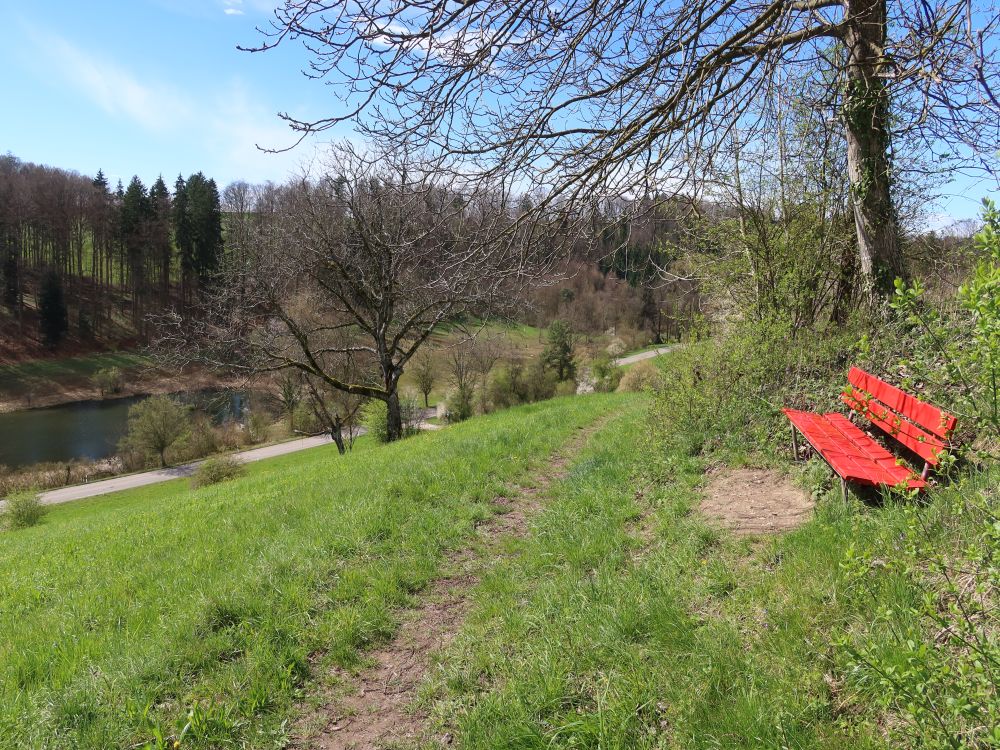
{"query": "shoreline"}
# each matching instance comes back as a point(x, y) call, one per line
point(152, 386)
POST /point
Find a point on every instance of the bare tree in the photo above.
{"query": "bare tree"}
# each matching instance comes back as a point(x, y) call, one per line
point(361, 264)
point(631, 98)
point(425, 375)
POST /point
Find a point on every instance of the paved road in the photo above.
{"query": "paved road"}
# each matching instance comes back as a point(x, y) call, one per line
point(131, 481)
point(633, 358)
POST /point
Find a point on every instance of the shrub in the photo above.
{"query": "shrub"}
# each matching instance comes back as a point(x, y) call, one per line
point(202, 439)
point(23, 509)
point(110, 380)
point(257, 426)
point(216, 470)
point(728, 391)
point(304, 419)
point(954, 355)
point(374, 418)
point(565, 388)
point(539, 382)
point(459, 405)
point(642, 376)
point(606, 374)
point(505, 387)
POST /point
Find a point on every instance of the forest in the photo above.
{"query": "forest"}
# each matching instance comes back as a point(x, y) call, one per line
point(81, 258)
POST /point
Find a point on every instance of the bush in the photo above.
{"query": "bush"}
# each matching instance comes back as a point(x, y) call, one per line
point(411, 414)
point(257, 426)
point(642, 376)
point(566, 388)
point(110, 380)
point(216, 470)
point(954, 354)
point(374, 418)
point(513, 384)
point(202, 439)
point(728, 391)
point(459, 405)
point(23, 509)
point(559, 350)
point(304, 419)
point(606, 374)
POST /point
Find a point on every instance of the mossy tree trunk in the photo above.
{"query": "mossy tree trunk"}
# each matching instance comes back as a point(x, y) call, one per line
point(866, 117)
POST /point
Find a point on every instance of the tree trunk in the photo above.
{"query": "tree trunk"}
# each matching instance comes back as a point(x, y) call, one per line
point(394, 418)
point(336, 432)
point(866, 117)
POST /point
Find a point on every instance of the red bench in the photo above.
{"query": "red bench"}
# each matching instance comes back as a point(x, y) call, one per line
point(854, 456)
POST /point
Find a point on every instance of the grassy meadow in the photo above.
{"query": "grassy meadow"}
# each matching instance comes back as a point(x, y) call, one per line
point(625, 619)
point(40, 376)
point(127, 618)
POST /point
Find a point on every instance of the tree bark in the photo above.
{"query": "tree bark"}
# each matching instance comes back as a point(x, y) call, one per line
point(866, 117)
point(394, 417)
point(337, 434)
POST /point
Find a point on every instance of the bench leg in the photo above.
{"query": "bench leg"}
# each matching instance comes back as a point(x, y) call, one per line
point(795, 445)
point(843, 488)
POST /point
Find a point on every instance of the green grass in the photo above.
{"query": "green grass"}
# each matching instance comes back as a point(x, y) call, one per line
point(42, 375)
point(126, 617)
point(624, 621)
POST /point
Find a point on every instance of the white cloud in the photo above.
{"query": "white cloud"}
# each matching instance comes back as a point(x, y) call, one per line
point(115, 90)
point(233, 12)
point(226, 123)
point(233, 7)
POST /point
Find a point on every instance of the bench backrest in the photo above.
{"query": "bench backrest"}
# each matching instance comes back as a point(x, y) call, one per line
point(921, 427)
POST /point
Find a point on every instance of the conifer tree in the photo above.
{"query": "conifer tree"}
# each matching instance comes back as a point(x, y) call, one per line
point(54, 319)
point(160, 245)
point(135, 219)
point(183, 236)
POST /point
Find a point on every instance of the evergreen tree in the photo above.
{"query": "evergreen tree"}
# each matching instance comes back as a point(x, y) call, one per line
point(160, 245)
point(205, 212)
point(558, 353)
point(183, 237)
point(135, 221)
point(54, 319)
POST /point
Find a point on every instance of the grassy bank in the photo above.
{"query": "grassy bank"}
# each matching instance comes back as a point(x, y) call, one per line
point(625, 620)
point(126, 618)
point(39, 382)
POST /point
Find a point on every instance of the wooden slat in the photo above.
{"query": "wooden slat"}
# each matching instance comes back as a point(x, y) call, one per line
point(931, 418)
point(929, 447)
point(850, 452)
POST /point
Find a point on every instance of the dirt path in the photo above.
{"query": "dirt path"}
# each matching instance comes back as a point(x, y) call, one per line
point(374, 709)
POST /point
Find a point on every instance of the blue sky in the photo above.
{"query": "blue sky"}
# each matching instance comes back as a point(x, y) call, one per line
point(153, 87)
point(148, 87)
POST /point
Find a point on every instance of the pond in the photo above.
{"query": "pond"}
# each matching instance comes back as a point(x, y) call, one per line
point(92, 429)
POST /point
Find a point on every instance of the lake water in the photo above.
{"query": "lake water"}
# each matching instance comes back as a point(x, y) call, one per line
point(91, 429)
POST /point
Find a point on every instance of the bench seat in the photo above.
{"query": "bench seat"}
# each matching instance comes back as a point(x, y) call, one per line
point(850, 452)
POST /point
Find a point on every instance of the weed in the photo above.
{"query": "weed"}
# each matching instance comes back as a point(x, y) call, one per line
point(215, 470)
point(23, 510)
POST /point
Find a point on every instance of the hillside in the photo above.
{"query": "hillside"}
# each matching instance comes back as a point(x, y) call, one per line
point(548, 576)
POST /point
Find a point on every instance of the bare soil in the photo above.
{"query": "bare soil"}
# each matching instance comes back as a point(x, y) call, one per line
point(374, 708)
point(755, 501)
